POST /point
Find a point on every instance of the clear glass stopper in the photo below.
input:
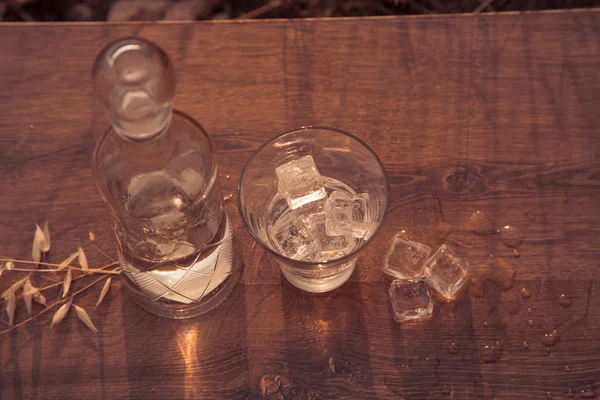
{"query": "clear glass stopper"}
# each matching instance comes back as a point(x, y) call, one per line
point(135, 80)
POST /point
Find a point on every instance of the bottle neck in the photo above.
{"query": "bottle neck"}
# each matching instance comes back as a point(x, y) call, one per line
point(152, 146)
point(142, 126)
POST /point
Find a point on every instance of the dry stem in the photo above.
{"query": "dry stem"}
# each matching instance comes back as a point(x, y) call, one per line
point(98, 270)
point(56, 303)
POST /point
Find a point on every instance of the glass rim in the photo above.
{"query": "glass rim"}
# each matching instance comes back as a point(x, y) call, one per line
point(303, 263)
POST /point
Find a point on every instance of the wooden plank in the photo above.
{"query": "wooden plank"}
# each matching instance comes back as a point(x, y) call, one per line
point(494, 113)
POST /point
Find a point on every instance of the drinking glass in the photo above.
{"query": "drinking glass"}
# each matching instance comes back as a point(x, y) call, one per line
point(345, 164)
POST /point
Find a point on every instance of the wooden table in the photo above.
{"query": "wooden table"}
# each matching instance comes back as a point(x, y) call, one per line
point(497, 113)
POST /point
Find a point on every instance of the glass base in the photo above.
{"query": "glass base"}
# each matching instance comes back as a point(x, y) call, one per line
point(317, 284)
point(176, 310)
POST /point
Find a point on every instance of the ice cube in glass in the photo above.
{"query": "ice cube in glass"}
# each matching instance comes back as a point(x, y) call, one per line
point(406, 258)
point(292, 237)
point(347, 215)
point(410, 300)
point(445, 272)
point(300, 182)
point(330, 247)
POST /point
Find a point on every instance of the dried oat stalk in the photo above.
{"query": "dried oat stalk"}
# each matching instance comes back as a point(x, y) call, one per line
point(15, 286)
point(41, 245)
point(68, 261)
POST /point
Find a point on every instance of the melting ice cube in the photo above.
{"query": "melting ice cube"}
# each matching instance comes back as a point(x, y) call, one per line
point(446, 272)
point(410, 300)
point(406, 258)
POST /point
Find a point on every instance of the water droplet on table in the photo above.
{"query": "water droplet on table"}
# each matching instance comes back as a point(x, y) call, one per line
point(512, 303)
point(550, 339)
point(548, 395)
point(526, 293)
point(567, 368)
point(588, 394)
point(530, 322)
point(483, 389)
point(502, 272)
point(564, 301)
point(516, 253)
point(445, 390)
point(529, 216)
point(570, 394)
point(480, 223)
point(511, 236)
point(525, 345)
point(491, 353)
point(477, 288)
point(486, 324)
point(442, 228)
point(453, 348)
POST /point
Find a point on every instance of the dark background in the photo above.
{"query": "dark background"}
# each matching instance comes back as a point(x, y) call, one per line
point(172, 10)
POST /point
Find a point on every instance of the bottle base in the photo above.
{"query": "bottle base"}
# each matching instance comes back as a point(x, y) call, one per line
point(318, 285)
point(176, 310)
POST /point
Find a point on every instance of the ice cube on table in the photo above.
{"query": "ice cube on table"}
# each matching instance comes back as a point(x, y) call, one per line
point(445, 272)
point(330, 247)
point(300, 182)
point(410, 300)
point(406, 258)
point(347, 215)
point(291, 236)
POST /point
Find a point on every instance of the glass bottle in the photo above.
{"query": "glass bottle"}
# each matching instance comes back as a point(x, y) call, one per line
point(156, 171)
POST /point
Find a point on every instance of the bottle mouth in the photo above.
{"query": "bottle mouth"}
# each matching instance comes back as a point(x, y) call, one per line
point(135, 80)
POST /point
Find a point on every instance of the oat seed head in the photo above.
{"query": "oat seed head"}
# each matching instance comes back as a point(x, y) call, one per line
point(61, 313)
point(104, 291)
point(15, 286)
point(11, 306)
point(46, 244)
point(36, 251)
point(82, 259)
point(39, 298)
point(85, 318)
point(28, 291)
point(67, 283)
point(68, 261)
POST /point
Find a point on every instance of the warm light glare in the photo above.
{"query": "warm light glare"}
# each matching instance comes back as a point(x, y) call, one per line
point(187, 346)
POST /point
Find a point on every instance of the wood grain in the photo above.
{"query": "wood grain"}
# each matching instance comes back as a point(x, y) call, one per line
point(496, 113)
